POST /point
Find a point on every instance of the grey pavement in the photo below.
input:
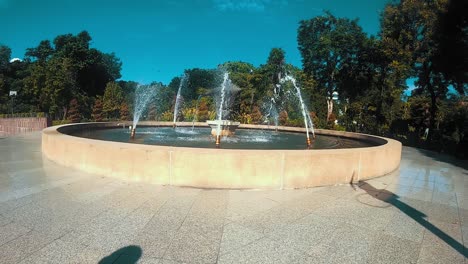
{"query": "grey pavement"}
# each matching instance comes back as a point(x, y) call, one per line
point(53, 214)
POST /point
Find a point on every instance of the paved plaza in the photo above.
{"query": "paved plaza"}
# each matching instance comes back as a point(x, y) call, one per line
point(53, 214)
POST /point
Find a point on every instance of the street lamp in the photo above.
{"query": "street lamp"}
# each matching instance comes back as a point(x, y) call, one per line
point(12, 95)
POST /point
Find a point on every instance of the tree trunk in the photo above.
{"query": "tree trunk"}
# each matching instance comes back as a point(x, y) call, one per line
point(65, 112)
point(329, 107)
point(330, 96)
point(433, 112)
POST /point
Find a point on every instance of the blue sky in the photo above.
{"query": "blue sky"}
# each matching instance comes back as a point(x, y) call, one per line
point(157, 40)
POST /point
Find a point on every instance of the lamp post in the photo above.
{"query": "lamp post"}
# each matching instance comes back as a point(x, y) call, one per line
point(12, 95)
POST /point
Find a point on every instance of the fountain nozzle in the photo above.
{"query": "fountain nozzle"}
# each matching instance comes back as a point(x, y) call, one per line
point(132, 133)
point(308, 142)
point(174, 125)
point(218, 140)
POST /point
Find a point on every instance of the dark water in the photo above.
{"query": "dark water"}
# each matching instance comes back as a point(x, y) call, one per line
point(201, 138)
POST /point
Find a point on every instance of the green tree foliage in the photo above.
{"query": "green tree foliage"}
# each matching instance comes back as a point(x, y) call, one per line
point(64, 69)
point(418, 24)
point(74, 111)
point(124, 112)
point(112, 100)
point(5, 54)
point(423, 40)
point(152, 112)
point(98, 114)
point(329, 47)
point(451, 39)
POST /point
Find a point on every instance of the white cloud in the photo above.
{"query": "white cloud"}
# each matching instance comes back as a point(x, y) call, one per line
point(15, 59)
point(239, 5)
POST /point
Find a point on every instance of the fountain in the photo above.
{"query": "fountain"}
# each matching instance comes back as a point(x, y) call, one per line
point(305, 112)
point(272, 111)
point(222, 127)
point(183, 81)
point(255, 157)
point(143, 95)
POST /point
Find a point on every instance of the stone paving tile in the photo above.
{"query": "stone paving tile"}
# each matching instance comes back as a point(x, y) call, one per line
point(59, 251)
point(442, 244)
point(403, 226)
point(156, 236)
point(305, 233)
point(443, 213)
point(265, 251)
point(4, 220)
point(342, 191)
point(309, 203)
point(423, 184)
point(235, 236)
point(410, 192)
point(53, 214)
point(93, 256)
point(271, 220)
point(16, 250)
point(240, 204)
point(347, 244)
point(282, 196)
point(148, 260)
point(11, 231)
point(355, 213)
point(390, 249)
point(198, 239)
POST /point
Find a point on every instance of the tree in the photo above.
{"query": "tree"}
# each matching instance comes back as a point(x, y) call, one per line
point(412, 25)
point(97, 114)
point(74, 112)
point(41, 53)
point(60, 86)
point(124, 112)
point(5, 54)
point(152, 112)
point(451, 39)
point(275, 64)
point(328, 45)
point(54, 73)
point(112, 100)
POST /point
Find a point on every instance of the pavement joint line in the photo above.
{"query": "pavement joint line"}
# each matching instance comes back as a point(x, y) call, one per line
point(180, 226)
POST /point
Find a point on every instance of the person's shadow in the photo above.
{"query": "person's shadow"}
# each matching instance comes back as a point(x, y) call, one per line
point(418, 216)
point(128, 255)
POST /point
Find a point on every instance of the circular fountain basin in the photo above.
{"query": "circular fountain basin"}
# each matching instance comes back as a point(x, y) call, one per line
point(256, 157)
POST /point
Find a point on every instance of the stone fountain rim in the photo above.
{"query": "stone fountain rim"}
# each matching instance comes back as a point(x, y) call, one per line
point(219, 168)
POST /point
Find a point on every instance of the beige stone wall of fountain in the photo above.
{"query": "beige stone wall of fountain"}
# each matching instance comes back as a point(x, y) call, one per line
point(221, 168)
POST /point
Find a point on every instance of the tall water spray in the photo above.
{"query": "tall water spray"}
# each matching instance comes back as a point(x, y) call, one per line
point(272, 110)
point(305, 112)
point(224, 86)
point(143, 95)
point(177, 102)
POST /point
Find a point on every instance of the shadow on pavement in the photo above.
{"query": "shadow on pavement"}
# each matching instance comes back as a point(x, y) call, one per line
point(418, 216)
point(129, 255)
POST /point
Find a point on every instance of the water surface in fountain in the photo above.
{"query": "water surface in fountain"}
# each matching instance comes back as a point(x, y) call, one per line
point(201, 137)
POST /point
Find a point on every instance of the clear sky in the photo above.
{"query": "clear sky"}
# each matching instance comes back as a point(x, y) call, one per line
point(156, 40)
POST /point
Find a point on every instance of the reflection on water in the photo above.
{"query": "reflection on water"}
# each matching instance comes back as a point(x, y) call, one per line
point(201, 138)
